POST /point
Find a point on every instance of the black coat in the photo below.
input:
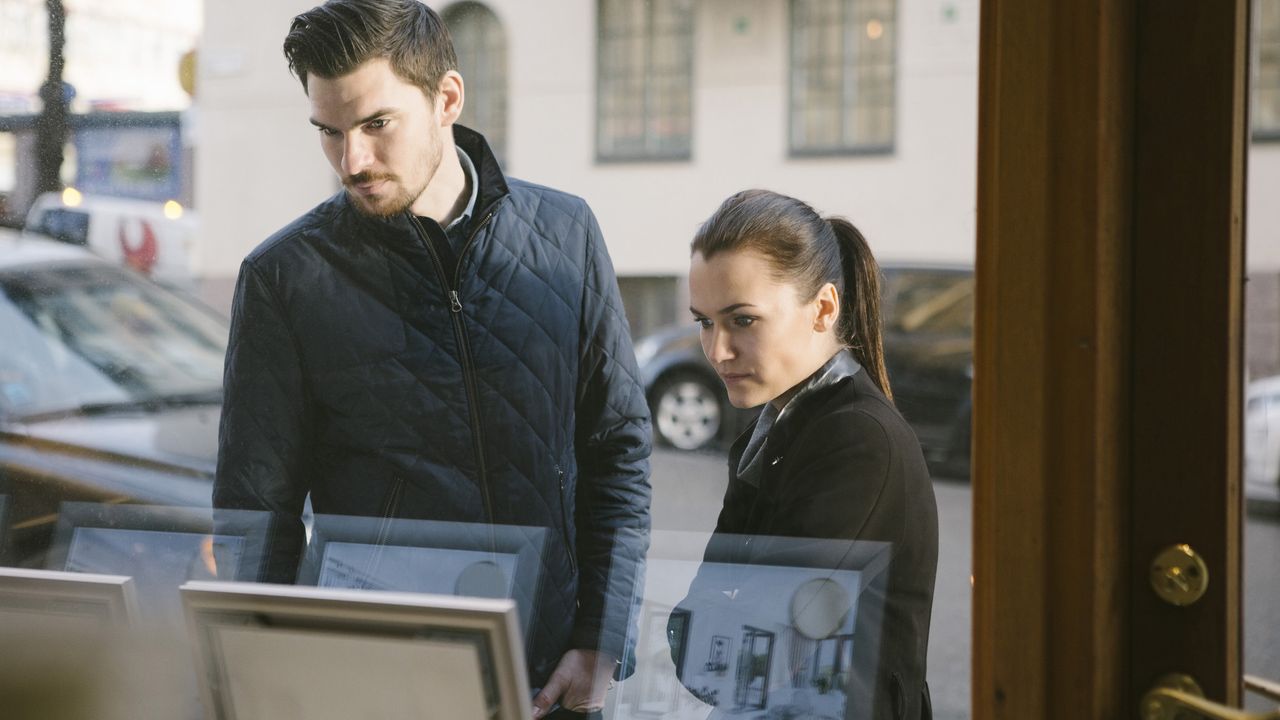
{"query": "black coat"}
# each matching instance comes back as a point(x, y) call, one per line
point(841, 463)
point(367, 370)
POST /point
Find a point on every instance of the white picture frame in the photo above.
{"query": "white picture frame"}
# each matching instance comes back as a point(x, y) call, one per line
point(262, 650)
point(54, 596)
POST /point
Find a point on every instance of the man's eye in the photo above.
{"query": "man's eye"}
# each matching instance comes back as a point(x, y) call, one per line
point(377, 124)
point(327, 132)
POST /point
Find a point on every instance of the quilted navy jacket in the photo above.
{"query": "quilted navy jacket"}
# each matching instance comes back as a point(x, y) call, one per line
point(366, 370)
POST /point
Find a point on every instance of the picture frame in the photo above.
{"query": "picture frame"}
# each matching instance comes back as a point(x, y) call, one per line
point(427, 556)
point(264, 650)
point(718, 654)
point(52, 596)
point(160, 547)
point(797, 591)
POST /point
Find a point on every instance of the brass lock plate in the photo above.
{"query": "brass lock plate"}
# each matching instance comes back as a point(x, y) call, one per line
point(1179, 575)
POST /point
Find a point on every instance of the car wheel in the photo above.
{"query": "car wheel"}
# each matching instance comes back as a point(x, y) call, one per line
point(687, 412)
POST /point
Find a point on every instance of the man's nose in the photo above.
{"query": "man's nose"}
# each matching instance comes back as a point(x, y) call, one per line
point(355, 154)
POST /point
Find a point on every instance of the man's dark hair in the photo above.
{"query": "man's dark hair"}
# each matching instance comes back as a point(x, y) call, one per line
point(335, 38)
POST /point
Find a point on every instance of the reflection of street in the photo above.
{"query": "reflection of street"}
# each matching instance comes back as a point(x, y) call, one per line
point(688, 489)
point(1261, 608)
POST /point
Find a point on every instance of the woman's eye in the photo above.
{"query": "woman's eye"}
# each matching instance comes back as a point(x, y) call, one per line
point(703, 323)
point(743, 321)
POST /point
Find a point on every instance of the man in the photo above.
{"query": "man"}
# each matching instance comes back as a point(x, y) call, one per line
point(439, 342)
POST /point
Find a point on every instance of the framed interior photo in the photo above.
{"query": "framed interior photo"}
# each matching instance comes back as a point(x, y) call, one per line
point(789, 626)
point(160, 547)
point(427, 556)
point(269, 651)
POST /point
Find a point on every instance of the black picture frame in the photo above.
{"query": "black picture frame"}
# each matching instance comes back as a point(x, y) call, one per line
point(372, 546)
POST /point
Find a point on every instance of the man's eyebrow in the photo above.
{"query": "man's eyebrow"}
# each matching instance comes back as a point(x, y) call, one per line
point(368, 118)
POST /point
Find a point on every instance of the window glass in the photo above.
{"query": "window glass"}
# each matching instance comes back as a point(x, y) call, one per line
point(644, 75)
point(843, 74)
point(1266, 78)
point(481, 46)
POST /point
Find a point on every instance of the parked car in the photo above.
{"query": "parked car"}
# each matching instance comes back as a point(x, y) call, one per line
point(110, 390)
point(155, 239)
point(928, 313)
point(1262, 442)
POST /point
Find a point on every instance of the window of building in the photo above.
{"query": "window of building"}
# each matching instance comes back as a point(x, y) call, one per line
point(481, 45)
point(843, 70)
point(1266, 71)
point(644, 100)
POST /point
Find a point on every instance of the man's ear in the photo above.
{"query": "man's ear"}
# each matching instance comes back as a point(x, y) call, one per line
point(827, 307)
point(450, 95)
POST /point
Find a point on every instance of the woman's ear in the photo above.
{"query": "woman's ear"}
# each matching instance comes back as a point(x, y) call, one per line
point(827, 305)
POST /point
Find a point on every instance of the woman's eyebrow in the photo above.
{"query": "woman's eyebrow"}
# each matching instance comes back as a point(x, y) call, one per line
point(723, 311)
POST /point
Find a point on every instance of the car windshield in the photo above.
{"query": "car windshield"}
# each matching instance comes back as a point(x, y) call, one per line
point(929, 302)
point(79, 336)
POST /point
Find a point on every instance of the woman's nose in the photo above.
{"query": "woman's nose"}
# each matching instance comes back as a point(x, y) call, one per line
point(719, 347)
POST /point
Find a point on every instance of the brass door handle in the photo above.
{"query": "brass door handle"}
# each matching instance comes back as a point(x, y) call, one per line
point(1169, 704)
point(1174, 695)
point(1265, 688)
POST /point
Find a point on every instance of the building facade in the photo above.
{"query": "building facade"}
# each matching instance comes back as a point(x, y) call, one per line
point(657, 110)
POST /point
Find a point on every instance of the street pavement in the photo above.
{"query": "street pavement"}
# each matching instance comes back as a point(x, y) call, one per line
point(688, 489)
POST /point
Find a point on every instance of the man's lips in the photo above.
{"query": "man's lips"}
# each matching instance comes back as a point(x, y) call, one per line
point(734, 377)
point(366, 183)
point(367, 188)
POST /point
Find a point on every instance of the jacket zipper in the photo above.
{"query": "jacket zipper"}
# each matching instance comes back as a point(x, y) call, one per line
point(464, 348)
point(564, 527)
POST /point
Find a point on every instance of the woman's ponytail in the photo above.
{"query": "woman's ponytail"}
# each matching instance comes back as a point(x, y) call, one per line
point(859, 326)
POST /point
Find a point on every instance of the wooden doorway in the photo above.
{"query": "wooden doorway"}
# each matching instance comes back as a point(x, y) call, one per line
point(1108, 350)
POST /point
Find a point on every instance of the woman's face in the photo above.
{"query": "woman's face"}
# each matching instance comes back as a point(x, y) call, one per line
point(761, 337)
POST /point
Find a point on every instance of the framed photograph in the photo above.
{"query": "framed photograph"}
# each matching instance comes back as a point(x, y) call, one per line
point(755, 664)
point(782, 625)
point(159, 547)
point(427, 556)
point(269, 651)
point(718, 656)
point(66, 599)
point(660, 690)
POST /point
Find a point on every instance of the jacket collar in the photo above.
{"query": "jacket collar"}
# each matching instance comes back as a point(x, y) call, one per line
point(493, 183)
point(839, 368)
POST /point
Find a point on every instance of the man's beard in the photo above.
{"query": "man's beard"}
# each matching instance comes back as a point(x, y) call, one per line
point(380, 206)
point(403, 198)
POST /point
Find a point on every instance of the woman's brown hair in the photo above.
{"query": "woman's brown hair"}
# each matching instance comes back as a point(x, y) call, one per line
point(808, 250)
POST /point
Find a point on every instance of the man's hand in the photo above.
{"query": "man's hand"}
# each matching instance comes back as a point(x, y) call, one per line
point(579, 683)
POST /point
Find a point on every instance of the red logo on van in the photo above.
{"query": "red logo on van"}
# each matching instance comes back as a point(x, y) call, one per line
point(140, 256)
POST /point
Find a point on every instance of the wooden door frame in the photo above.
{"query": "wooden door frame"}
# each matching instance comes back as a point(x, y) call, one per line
point(1108, 349)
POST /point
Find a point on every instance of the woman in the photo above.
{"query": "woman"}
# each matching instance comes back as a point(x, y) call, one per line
point(789, 305)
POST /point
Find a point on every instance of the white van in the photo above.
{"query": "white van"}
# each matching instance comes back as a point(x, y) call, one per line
point(155, 239)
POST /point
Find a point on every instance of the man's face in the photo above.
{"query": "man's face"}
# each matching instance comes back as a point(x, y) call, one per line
point(381, 134)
